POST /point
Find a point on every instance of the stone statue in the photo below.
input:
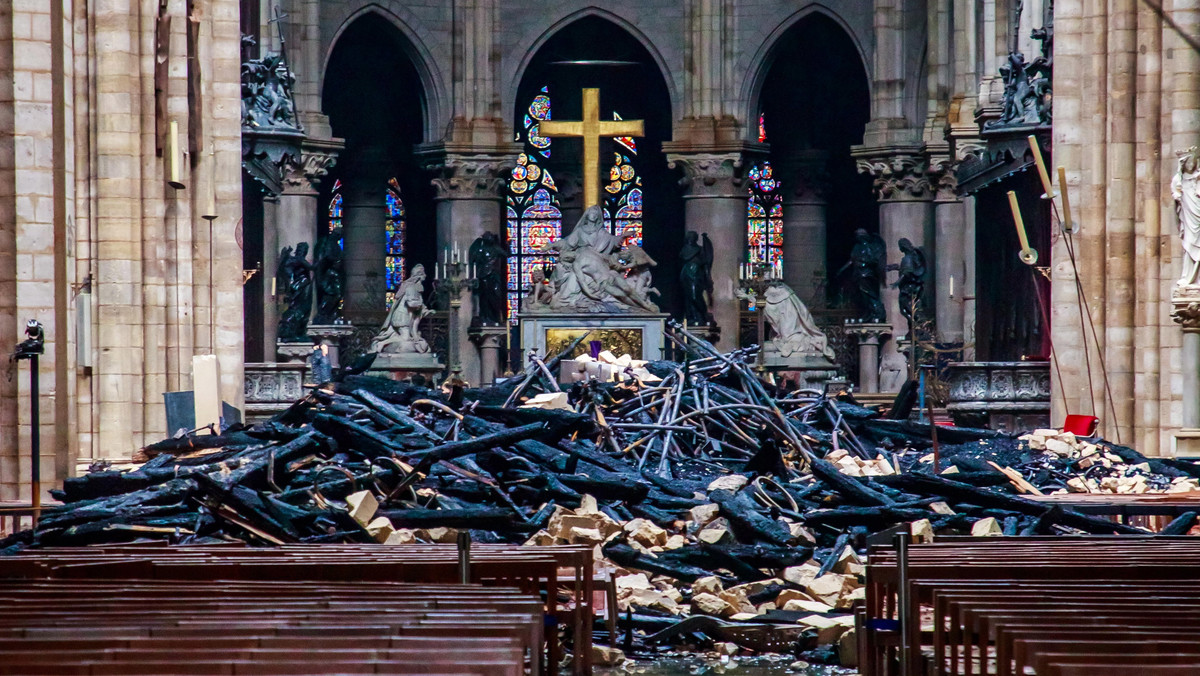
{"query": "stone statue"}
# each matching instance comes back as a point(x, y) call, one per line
point(293, 280)
point(1185, 188)
point(868, 260)
point(1028, 94)
point(401, 330)
point(695, 278)
point(594, 274)
point(489, 258)
point(330, 274)
point(634, 265)
point(911, 281)
point(793, 327)
point(267, 85)
point(541, 292)
point(893, 371)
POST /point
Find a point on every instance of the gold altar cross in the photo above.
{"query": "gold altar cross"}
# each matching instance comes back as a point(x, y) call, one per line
point(591, 129)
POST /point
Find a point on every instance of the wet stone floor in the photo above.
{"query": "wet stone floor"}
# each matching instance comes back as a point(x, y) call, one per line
point(705, 665)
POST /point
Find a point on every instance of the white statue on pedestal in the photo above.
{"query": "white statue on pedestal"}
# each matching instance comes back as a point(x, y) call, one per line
point(1185, 188)
point(793, 325)
point(595, 274)
point(401, 330)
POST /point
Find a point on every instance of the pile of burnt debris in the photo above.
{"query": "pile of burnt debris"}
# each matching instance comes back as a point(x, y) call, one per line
point(720, 502)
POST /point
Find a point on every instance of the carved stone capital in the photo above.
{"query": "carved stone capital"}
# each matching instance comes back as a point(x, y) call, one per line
point(469, 177)
point(869, 333)
point(1185, 307)
point(943, 179)
point(303, 174)
point(711, 174)
point(899, 177)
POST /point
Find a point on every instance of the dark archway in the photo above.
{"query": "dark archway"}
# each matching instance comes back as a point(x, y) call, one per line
point(375, 101)
point(595, 52)
point(815, 103)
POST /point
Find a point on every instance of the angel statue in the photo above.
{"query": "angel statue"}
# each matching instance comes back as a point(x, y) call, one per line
point(1185, 188)
point(867, 261)
point(695, 277)
point(401, 332)
point(293, 281)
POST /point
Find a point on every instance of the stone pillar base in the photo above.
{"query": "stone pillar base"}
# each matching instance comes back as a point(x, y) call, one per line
point(1186, 444)
point(869, 336)
point(489, 340)
point(293, 352)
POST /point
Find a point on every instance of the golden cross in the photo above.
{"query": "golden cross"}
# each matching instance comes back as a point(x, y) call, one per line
point(591, 129)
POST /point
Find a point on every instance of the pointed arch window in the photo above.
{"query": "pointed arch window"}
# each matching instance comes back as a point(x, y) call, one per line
point(335, 207)
point(394, 245)
point(534, 216)
point(623, 194)
point(764, 218)
point(534, 212)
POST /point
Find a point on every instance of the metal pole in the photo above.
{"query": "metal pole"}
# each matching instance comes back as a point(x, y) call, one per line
point(35, 437)
point(901, 544)
point(464, 557)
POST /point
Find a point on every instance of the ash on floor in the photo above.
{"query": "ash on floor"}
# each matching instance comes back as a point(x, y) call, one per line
point(704, 665)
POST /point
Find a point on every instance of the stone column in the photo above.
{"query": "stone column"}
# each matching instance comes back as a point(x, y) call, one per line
point(715, 203)
point(805, 179)
point(905, 196)
point(968, 290)
point(270, 231)
point(298, 213)
point(949, 216)
point(1185, 302)
point(869, 337)
point(490, 340)
point(364, 210)
point(470, 201)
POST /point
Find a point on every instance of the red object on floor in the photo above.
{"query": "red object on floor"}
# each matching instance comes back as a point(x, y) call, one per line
point(1081, 425)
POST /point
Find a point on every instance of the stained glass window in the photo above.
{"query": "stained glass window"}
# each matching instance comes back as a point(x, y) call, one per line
point(335, 207)
point(534, 217)
point(764, 218)
point(623, 196)
point(762, 128)
point(394, 246)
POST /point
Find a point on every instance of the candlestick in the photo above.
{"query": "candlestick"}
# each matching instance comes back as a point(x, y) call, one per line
point(1028, 255)
point(1067, 224)
point(1041, 167)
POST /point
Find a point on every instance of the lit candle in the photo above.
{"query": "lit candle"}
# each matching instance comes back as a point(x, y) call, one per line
point(1041, 167)
point(1067, 224)
point(446, 255)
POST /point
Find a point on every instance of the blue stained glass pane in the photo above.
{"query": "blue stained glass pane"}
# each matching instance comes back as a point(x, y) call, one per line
point(514, 263)
point(514, 306)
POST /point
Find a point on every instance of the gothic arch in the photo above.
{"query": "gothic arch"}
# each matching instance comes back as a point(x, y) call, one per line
point(530, 49)
point(764, 58)
point(435, 100)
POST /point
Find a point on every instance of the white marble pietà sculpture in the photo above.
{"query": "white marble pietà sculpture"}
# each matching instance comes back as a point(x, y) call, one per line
point(793, 325)
point(401, 330)
point(1185, 188)
point(594, 273)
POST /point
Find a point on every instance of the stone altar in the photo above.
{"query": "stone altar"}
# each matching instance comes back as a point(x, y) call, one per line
point(598, 286)
point(1007, 396)
point(639, 335)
